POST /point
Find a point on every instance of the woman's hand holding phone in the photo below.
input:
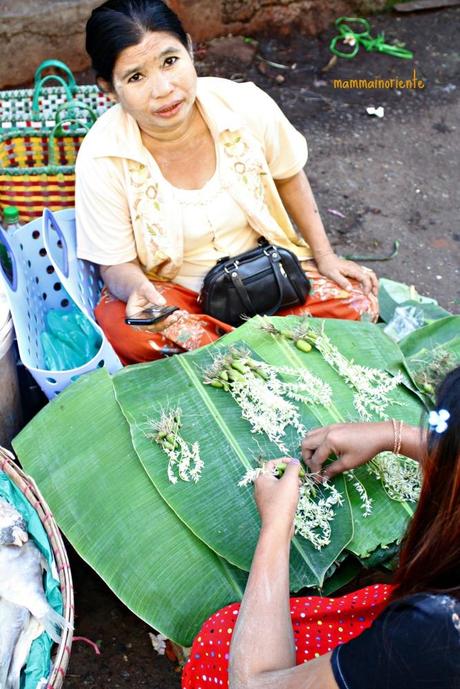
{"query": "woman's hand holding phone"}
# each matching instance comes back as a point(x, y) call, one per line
point(142, 296)
point(152, 315)
point(147, 308)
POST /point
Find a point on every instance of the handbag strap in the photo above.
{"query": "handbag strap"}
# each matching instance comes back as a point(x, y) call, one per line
point(275, 260)
point(242, 292)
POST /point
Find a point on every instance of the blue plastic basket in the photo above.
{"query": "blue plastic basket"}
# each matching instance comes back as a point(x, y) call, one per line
point(46, 274)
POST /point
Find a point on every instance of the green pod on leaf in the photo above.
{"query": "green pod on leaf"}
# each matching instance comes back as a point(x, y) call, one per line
point(236, 376)
point(216, 383)
point(238, 365)
point(303, 346)
point(281, 468)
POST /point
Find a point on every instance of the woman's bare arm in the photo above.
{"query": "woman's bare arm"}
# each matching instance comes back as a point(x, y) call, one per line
point(128, 282)
point(356, 443)
point(298, 199)
point(262, 653)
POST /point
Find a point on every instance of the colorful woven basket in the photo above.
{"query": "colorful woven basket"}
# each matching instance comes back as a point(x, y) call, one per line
point(27, 486)
point(36, 108)
point(37, 156)
point(37, 167)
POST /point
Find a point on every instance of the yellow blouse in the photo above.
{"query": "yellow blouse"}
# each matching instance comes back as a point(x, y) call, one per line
point(126, 209)
point(214, 226)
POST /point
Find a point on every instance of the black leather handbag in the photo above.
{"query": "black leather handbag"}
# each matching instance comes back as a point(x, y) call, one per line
point(259, 281)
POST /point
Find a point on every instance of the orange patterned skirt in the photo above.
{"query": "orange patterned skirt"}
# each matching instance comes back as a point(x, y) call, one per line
point(194, 329)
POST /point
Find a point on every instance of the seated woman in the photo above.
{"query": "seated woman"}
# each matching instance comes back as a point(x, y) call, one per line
point(405, 636)
point(182, 172)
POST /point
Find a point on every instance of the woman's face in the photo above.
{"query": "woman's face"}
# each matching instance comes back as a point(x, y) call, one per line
point(155, 82)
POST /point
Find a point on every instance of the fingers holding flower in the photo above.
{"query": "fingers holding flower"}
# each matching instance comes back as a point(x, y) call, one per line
point(277, 499)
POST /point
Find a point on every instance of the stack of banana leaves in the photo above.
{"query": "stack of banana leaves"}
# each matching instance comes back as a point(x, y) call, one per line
point(149, 472)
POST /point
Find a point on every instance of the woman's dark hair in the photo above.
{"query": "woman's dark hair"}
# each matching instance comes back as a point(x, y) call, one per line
point(430, 556)
point(119, 24)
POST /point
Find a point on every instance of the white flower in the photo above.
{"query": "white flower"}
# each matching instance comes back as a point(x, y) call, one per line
point(315, 509)
point(400, 476)
point(265, 399)
point(438, 420)
point(158, 643)
point(366, 501)
point(250, 477)
point(372, 386)
point(314, 516)
point(186, 458)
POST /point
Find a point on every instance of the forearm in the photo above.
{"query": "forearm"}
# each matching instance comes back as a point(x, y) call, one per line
point(298, 199)
point(413, 442)
point(412, 438)
point(263, 640)
point(121, 280)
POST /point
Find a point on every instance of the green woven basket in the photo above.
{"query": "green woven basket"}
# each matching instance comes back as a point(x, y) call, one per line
point(37, 107)
point(37, 166)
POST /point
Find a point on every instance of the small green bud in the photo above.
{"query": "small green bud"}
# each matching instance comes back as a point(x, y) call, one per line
point(303, 346)
point(237, 365)
point(236, 376)
point(281, 468)
point(261, 374)
point(216, 383)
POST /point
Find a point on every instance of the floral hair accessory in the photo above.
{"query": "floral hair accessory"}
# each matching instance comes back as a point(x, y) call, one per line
point(438, 420)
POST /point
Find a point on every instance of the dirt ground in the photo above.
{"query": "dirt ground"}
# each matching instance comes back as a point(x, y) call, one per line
point(376, 180)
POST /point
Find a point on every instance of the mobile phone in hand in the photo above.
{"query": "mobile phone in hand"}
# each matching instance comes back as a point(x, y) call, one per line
point(151, 315)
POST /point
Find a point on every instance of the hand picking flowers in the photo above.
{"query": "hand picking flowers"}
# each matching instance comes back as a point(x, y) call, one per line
point(315, 509)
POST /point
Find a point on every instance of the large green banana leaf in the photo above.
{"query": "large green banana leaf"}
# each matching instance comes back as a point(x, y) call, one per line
point(426, 346)
point(216, 509)
point(175, 553)
point(386, 523)
point(365, 344)
point(78, 449)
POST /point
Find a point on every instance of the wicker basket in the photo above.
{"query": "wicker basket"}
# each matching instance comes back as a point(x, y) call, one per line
point(24, 108)
point(27, 486)
point(37, 166)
